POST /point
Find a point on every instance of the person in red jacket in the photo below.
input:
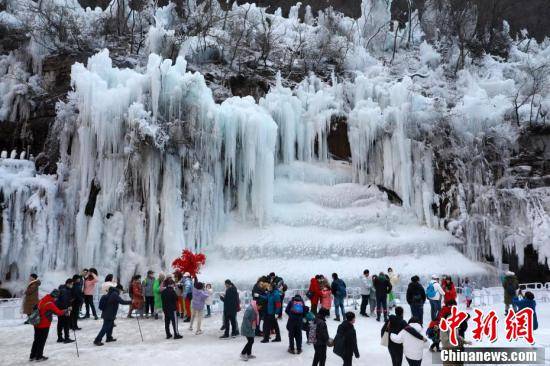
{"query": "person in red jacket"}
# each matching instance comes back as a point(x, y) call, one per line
point(449, 289)
point(314, 293)
point(46, 307)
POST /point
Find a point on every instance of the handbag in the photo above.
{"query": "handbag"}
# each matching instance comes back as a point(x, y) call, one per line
point(386, 336)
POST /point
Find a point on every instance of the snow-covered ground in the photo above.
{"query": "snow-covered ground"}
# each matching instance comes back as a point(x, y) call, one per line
point(321, 220)
point(207, 349)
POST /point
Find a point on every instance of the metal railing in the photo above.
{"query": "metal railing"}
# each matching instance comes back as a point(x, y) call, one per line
point(10, 309)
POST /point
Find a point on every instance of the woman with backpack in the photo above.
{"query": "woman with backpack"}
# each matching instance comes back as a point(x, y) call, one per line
point(41, 319)
point(251, 317)
point(296, 311)
point(318, 336)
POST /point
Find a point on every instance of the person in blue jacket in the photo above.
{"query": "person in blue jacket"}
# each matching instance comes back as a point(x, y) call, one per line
point(528, 301)
point(296, 311)
point(274, 308)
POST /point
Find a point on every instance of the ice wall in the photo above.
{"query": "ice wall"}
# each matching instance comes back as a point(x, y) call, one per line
point(149, 166)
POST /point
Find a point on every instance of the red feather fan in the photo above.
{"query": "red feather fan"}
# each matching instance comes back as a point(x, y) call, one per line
point(189, 262)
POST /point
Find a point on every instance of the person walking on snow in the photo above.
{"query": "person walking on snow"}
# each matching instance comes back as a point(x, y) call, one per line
point(273, 308)
point(258, 294)
point(338, 288)
point(434, 293)
point(413, 347)
point(169, 300)
point(110, 303)
point(108, 284)
point(156, 294)
point(149, 294)
point(231, 305)
point(296, 311)
point(319, 337)
point(372, 296)
point(90, 283)
point(46, 307)
point(366, 287)
point(197, 304)
point(248, 329)
point(383, 287)
point(416, 297)
point(345, 341)
point(394, 280)
point(510, 285)
point(31, 294)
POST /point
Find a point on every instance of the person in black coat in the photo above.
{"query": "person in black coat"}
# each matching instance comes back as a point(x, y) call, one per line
point(382, 287)
point(169, 307)
point(64, 302)
point(396, 324)
point(345, 342)
point(230, 308)
point(77, 300)
point(108, 314)
point(416, 297)
point(296, 311)
point(321, 338)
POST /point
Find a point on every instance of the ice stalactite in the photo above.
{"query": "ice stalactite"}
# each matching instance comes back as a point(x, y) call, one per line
point(160, 151)
point(31, 221)
point(383, 153)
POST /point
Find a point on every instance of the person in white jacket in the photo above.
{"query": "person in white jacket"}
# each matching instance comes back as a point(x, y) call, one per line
point(208, 301)
point(413, 348)
point(434, 293)
point(366, 288)
point(108, 284)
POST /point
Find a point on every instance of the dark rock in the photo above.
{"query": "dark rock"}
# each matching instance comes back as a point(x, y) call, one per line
point(337, 139)
point(392, 196)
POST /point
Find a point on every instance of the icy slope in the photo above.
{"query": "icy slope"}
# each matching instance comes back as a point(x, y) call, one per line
point(321, 222)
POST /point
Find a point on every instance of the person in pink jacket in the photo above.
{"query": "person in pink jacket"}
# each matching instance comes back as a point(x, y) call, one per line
point(89, 290)
point(326, 297)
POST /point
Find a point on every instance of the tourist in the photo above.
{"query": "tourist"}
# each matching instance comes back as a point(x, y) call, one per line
point(338, 289)
point(366, 287)
point(30, 298)
point(434, 293)
point(345, 342)
point(46, 306)
point(416, 297)
point(231, 305)
point(90, 283)
point(413, 347)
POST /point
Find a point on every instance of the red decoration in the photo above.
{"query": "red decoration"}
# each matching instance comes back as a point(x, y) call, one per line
point(189, 262)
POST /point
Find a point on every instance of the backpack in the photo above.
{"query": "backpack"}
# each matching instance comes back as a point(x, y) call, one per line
point(297, 307)
point(341, 289)
point(102, 302)
point(312, 336)
point(34, 317)
point(430, 290)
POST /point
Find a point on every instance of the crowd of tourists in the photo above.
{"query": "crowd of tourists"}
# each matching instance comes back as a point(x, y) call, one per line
point(181, 296)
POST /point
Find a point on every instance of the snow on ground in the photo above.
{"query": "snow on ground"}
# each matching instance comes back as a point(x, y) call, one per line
point(207, 349)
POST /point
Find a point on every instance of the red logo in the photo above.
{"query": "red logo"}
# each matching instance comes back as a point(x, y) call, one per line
point(520, 325)
point(452, 322)
point(485, 325)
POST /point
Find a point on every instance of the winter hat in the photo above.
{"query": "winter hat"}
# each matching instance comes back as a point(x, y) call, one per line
point(54, 293)
point(435, 277)
point(509, 273)
point(187, 274)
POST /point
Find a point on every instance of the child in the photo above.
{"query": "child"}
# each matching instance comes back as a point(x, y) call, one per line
point(528, 301)
point(326, 298)
point(467, 291)
point(307, 324)
point(208, 301)
point(433, 334)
